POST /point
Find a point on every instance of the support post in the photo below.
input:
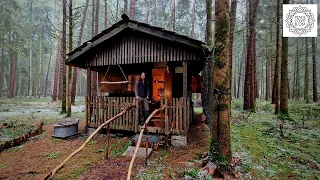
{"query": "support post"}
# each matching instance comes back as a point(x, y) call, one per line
point(89, 95)
point(185, 79)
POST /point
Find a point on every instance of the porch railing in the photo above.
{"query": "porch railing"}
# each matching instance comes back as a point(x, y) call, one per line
point(177, 115)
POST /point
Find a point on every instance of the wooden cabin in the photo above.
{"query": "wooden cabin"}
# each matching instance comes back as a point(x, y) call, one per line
point(119, 54)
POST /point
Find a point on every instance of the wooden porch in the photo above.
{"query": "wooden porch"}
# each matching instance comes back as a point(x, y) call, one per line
point(174, 119)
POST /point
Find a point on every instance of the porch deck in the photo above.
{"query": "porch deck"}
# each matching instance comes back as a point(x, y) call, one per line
point(174, 119)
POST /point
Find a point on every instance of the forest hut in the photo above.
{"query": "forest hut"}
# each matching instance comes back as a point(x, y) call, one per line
point(119, 54)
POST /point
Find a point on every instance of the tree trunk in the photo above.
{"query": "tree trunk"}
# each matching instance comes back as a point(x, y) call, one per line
point(96, 26)
point(13, 71)
point(295, 77)
point(48, 69)
point(117, 10)
point(93, 20)
point(233, 17)
point(314, 65)
point(132, 8)
point(125, 6)
point(284, 74)
point(268, 68)
point(221, 101)
point(297, 74)
point(172, 18)
point(276, 85)
point(96, 19)
point(56, 73)
point(1, 70)
point(193, 17)
point(242, 61)
point(306, 76)
point(30, 92)
point(250, 78)
point(40, 62)
point(148, 11)
point(105, 13)
point(207, 69)
point(63, 66)
point(70, 69)
point(74, 73)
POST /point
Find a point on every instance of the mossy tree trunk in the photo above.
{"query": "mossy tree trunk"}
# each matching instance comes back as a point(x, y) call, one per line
point(220, 149)
point(250, 87)
point(306, 75)
point(284, 75)
point(276, 85)
point(63, 66)
point(70, 69)
point(207, 69)
point(314, 69)
point(233, 16)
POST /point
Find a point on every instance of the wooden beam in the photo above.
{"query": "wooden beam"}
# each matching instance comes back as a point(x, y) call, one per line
point(185, 80)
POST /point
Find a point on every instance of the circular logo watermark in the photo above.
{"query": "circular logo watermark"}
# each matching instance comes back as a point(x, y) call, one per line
point(300, 20)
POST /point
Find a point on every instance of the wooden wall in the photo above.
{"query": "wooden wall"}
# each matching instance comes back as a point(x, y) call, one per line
point(132, 47)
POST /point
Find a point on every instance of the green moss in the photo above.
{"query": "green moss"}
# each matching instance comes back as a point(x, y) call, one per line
point(220, 107)
point(222, 29)
point(215, 155)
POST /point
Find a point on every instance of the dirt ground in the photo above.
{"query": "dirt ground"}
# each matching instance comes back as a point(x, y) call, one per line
point(38, 156)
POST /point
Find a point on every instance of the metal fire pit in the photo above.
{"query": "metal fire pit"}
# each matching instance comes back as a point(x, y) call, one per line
point(65, 129)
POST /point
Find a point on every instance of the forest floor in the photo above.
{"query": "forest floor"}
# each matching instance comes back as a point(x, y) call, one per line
point(256, 141)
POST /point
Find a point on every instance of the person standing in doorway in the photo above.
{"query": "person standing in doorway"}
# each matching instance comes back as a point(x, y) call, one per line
point(142, 95)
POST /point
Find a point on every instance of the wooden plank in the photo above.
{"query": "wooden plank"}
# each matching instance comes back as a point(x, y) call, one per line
point(121, 108)
point(176, 115)
point(125, 116)
point(142, 49)
point(132, 116)
point(189, 113)
point(125, 49)
point(117, 111)
point(152, 51)
point(139, 50)
point(111, 112)
point(166, 118)
point(89, 92)
point(185, 120)
point(136, 117)
point(86, 101)
point(129, 114)
point(148, 51)
point(181, 116)
point(130, 50)
point(98, 110)
point(185, 80)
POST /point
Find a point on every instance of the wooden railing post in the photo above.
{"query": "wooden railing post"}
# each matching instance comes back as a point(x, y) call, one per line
point(166, 125)
point(136, 124)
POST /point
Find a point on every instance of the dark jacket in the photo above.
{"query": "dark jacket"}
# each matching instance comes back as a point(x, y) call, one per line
point(142, 89)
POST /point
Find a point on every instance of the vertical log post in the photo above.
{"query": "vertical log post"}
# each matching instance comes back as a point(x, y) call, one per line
point(183, 100)
point(89, 94)
point(185, 81)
